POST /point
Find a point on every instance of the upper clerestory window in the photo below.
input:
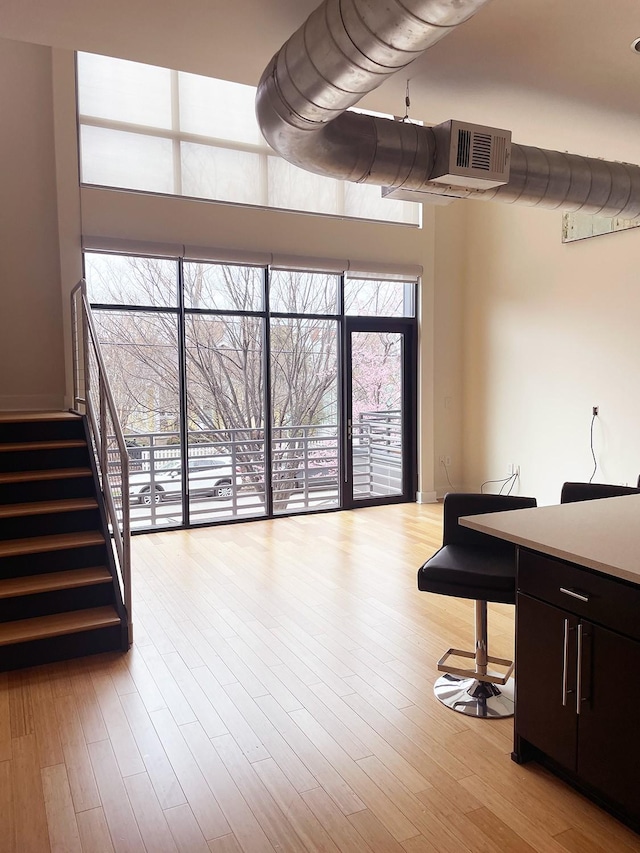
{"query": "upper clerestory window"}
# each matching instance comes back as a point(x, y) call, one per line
point(151, 129)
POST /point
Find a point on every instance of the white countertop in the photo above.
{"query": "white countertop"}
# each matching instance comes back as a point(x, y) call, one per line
point(603, 535)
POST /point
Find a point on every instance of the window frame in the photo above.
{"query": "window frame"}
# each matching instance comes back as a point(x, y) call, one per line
point(344, 323)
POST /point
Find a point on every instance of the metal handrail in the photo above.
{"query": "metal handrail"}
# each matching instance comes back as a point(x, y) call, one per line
point(104, 427)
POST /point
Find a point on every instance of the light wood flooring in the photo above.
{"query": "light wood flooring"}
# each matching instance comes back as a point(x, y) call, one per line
point(278, 697)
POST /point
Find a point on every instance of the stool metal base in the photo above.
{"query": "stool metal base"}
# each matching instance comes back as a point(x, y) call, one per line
point(475, 698)
point(493, 677)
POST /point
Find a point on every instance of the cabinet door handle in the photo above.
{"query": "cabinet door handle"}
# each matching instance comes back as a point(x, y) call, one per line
point(579, 670)
point(574, 594)
point(565, 662)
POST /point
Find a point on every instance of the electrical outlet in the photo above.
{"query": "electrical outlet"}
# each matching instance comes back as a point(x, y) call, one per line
point(513, 469)
point(445, 460)
point(595, 410)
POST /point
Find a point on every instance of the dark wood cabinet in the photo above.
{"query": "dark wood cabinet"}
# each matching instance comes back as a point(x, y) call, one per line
point(546, 665)
point(577, 685)
point(608, 743)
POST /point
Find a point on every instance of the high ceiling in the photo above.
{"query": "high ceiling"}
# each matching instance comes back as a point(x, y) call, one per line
point(578, 49)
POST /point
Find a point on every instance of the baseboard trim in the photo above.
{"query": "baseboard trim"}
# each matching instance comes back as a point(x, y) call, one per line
point(426, 497)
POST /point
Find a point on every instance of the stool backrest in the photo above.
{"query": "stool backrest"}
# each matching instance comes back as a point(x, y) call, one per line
point(457, 504)
point(572, 492)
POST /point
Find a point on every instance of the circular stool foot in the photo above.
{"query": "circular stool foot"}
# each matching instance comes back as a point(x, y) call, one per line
point(475, 698)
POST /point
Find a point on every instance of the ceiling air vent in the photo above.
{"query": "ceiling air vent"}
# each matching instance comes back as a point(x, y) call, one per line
point(471, 155)
point(464, 149)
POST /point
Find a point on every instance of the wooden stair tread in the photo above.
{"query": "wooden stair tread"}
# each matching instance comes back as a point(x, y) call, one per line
point(57, 624)
point(70, 579)
point(56, 542)
point(23, 417)
point(46, 507)
point(48, 474)
point(57, 444)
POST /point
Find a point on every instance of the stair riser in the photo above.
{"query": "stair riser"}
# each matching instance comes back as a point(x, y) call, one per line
point(53, 561)
point(57, 601)
point(36, 460)
point(63, 648)
point(45, 490)
point(61, 604)
point(41, 430)
point(32, 526)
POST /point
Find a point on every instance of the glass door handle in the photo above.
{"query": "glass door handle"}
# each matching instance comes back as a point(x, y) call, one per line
point(349, 432)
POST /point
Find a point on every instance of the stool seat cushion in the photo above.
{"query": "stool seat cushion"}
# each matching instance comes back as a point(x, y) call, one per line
point(466, 571)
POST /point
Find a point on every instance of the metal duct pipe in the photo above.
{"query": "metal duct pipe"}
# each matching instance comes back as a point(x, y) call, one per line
point(347, 48)
point(570, 182)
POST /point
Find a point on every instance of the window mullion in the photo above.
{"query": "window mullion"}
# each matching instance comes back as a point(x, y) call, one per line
point(264, 180)
point(175, 126)
point(183, 393)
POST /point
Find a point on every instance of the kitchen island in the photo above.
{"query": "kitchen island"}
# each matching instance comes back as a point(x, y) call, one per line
point(578, 643)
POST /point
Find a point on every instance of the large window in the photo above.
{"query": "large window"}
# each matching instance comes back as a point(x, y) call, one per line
point(230, 387)
point(152, 129)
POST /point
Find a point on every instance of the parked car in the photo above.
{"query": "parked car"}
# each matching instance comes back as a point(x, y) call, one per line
point(208, 477)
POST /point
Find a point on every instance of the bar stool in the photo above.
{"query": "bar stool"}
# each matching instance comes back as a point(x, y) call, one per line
point(474, 565)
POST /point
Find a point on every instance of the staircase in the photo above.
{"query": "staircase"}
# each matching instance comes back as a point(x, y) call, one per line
point(59, 593)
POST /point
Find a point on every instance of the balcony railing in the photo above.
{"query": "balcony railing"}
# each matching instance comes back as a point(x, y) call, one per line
point(377, 454)
point(226, 470)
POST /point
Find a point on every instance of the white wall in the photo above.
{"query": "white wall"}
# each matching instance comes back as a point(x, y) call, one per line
point(451, 241)
point(31, 345)
point(551, 330)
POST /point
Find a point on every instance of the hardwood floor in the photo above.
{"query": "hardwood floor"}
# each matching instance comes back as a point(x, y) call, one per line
point(278, 697)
